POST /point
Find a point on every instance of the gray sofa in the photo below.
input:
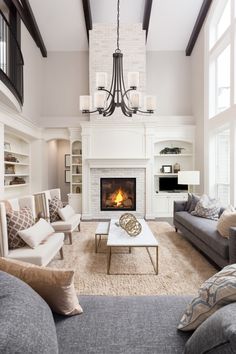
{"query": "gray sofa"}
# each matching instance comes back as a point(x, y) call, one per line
point(203, 234)
point(119, 325)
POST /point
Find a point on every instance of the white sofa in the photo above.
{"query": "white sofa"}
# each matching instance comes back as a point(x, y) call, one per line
point(40, 255)
point(67, 227)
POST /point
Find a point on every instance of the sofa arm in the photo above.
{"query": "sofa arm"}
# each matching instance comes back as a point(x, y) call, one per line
point(232, 245)
point(179, 205)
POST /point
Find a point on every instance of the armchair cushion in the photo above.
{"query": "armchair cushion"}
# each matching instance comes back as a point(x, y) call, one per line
point(17, 221)
point(37, 233)
point(67, 226)
point(54, 204)
point(66, 213)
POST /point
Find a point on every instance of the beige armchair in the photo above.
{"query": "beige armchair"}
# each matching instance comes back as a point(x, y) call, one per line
point(42, 254)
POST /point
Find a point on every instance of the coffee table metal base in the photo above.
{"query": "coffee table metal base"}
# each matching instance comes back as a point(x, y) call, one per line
point(109, 253)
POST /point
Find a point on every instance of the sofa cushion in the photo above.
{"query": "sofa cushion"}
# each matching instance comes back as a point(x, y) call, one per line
point(133, 324)
point(205, 230)
point(194, 200)
point(37, 233)
point(55, 286)
point(54, 204)
point(66, 213)
point(26, 321)
point(68, 225)
point(226, 221)
point(218, 332)
point(214, 293)
point(207, 208)
point(16, 221)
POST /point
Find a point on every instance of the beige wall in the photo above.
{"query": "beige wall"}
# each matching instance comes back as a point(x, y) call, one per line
point(32, 77)
point(65, 78)
point(63, 148)
point(169, 78)
point(197, 74)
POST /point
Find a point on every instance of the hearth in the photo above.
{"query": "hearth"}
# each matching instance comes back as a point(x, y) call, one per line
point(118, 194)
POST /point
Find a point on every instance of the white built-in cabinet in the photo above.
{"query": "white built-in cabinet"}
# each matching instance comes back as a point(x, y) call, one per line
point(76, 182)
point(163, 200)
point(16, 165)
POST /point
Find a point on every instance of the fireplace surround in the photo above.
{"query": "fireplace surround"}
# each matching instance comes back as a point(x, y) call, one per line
point(118, 194)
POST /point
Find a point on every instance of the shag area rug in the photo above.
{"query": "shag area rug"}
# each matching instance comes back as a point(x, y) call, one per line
point(182, 268)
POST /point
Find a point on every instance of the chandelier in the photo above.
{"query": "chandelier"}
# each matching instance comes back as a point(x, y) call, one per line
point(129, 100)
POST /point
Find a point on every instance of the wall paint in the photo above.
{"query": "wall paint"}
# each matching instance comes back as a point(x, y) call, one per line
point(63, 148)
point(52, 164)
point(169, 78)
point(65, 78)
point(32, 76)
point(197, 74)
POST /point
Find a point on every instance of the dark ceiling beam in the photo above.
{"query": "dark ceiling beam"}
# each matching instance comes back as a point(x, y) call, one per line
point(87, 16)
point(147, 15)
point(33, 24)
point(198, 26)
point(26, 14)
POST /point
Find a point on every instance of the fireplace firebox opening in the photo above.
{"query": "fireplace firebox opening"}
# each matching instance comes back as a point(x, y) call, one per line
point(118, 194)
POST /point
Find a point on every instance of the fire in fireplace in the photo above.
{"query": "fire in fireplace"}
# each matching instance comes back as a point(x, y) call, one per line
point(118, 194)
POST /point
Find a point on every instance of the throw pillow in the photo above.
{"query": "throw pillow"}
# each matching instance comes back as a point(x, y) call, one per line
point(194, 200)
point(54, 205)
point(26, 322)
point(207, 208)
point(55, 286)
point(66, 213)
point(226, 220)
point(17, 221)
point(214, 293)
point(215, 335)
point(188, 203)
point(37, 233)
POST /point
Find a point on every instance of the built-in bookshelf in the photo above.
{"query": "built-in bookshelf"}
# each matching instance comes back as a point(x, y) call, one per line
point(16, 163)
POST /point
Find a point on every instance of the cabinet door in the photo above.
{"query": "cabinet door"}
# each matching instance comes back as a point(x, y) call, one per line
point(161, 206)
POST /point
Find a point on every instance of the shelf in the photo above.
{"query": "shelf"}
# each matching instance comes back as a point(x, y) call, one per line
point(173, 155)
point(16, 185)
point(16, 175)
point(166, 174)
point(76, 164)
point(76, 174)
point(15, 163)
point(74, 183)
point(16, 153)
point(73, 155)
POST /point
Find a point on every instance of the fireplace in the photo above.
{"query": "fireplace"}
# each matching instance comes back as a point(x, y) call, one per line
point(118, 194)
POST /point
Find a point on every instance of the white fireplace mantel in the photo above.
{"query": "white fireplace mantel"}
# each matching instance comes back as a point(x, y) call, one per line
point(117, 162)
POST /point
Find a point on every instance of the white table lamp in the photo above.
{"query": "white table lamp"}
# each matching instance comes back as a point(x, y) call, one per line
point(191, 178)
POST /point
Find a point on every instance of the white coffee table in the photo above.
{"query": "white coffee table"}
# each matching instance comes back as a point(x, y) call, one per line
point(117, 237)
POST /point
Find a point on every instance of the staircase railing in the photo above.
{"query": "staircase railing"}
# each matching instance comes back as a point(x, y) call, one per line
point(11, 60)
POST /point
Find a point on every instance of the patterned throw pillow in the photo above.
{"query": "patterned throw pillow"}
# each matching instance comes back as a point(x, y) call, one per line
point(207, 208)
point(188, 203)
point(54, 205)
point(226, 220)
point(17, 221)
point(216, 292)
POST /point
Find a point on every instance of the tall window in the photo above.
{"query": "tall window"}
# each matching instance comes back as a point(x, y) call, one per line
point(222, 166)
point(220, 59)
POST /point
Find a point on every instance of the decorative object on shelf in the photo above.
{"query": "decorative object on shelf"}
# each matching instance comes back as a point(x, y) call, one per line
point(176, 167)
point(76, 152)
point(17, 180)
point(7, 146)
point(77, 170)
point(80, 151)
point(106, 101)
point(130, 224)
point(166, 169)
point(189, 177)
point(10, 158)
point(67, 176)
point(78, 190)
point(67, 160)
point(9, 169)
point(174, 150)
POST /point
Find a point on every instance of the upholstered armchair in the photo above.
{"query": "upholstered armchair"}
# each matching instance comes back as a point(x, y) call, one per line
point(43, 253)
point(43, 200)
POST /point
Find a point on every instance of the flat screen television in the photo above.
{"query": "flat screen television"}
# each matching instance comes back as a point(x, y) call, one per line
point(170, 184)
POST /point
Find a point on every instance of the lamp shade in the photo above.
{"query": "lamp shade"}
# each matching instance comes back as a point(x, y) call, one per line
point(189, 177)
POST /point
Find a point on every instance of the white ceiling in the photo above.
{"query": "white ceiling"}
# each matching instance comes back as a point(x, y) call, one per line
point(62, 25)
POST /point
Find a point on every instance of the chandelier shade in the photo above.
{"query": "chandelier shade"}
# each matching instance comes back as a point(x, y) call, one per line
point(128, 100)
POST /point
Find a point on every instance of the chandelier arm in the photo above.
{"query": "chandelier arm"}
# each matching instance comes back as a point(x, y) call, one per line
point(110, 110)
point(109, 92)
point(123, 82)
point(145, 112)
point(112, 80)
point(125, 94)
point(125, 110)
